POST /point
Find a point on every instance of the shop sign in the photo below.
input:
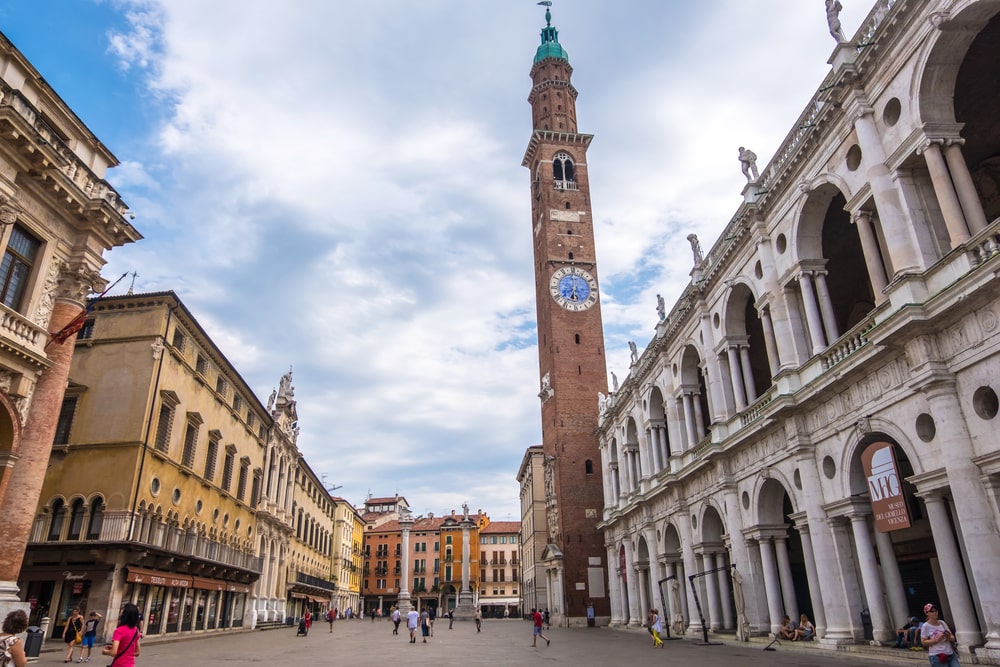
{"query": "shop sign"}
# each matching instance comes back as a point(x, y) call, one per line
point(77, 588)
point(885, 488)
point(155, 578)
point(70, 576)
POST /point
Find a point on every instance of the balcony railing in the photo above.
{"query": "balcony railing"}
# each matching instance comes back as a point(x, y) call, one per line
point(115, 529)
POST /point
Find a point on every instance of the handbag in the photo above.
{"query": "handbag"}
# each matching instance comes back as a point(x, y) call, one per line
point(122, 651)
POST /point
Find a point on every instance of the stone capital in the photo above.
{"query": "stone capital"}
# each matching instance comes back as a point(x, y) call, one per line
point(75, 281)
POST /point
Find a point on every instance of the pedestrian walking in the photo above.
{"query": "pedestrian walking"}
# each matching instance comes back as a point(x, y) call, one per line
point(372, 615)
point(432, 613)
point(479, 620)
point(656, 627)
point(11, 648)
point(308, 619)
point(537, 630)
point(329, 618)
point(451, 618)
point(124, 646)
point(548, 626)
point(425, 624)
point(412, 617)
point(89, 635)
point(73, 633)
point(396, 617)
point(938, 638)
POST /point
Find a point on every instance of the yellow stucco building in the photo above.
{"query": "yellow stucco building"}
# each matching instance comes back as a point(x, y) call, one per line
point(155, 470)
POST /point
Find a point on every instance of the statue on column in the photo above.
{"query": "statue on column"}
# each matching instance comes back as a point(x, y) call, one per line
point(695, 249)
point(833, 8)
point(748, 163)
point(661, 308)
point(614, 381)
point(634, 350)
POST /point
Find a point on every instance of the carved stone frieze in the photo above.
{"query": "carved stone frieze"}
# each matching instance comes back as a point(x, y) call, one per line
point(48, 299)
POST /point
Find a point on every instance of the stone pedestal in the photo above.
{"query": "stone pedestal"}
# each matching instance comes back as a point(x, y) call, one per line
point(465, 610)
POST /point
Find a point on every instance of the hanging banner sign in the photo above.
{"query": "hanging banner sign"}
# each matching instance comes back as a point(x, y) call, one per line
point(885, 488)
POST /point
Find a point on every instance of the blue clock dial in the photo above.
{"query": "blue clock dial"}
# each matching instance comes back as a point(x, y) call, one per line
point(574, 289)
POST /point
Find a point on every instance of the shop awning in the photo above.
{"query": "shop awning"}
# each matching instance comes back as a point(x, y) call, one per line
point(208, 584)
point(158, 578)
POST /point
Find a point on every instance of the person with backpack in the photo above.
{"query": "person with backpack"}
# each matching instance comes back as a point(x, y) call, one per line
point(11, 647)
point(124, 646)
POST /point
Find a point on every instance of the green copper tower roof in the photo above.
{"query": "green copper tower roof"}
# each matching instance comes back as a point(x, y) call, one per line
point(550, 48)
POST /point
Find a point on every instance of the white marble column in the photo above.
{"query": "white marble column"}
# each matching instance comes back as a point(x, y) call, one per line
point(963, 614)
point(873, 259)
point(951, 209)
point(699, 417)
point(712, 593)
point(772, 586)
point(770, 343)
point(614, 587)
point(738, 546)
point(871, 579)
point(824, 548)
point(785, 575)
point(713, 374)
point(405, 523)
point(895, 594)
point(645, 603)
point(736, 377)
point(979, 531)
point(964, 187)
point(724, 597)
point(815, 594)
point(747, 374)
point(891, 211)
point(826, 307)
point(812, 312)
point(692, 438)
point(636, 616)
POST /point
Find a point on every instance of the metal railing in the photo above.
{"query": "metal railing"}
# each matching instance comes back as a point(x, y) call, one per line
point(115, 527)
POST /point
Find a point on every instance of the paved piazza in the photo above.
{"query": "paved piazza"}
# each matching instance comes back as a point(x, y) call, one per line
point(502, 642)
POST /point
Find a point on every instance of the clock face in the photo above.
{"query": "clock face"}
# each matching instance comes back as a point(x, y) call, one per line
point(573, 288)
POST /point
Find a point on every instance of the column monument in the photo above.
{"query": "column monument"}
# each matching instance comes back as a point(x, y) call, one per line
point(465, 610)
point(405, 523)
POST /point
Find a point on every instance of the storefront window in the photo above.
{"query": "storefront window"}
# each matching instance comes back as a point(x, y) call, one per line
point(74, 595)
point(199, 619)
point(154, 619)
point(173, 609)
point(188, 610)
point(240, 603)
point(213, 607)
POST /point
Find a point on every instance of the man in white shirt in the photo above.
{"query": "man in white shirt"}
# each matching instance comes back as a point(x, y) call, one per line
point(411, 623)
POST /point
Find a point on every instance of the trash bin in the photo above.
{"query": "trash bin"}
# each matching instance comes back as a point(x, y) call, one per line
point(866, 624)
point(33, 642)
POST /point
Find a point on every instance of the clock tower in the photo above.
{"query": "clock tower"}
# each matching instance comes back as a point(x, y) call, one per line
point(571, 358)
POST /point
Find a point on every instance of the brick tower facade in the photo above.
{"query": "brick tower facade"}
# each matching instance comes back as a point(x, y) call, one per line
point(571, 358)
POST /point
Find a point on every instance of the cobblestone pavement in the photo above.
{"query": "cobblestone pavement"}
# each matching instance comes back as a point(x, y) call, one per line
point(502, 642)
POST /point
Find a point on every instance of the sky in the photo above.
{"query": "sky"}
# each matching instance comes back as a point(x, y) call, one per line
point(336, 188)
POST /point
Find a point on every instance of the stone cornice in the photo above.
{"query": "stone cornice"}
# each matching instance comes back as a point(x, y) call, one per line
point(550, 136)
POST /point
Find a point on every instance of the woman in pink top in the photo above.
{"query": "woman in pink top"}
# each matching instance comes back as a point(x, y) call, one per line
point(124, 647)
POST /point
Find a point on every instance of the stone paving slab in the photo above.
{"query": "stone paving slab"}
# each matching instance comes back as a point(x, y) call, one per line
point(502, 642)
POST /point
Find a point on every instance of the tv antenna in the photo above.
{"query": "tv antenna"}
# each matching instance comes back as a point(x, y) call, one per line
point(330, 488)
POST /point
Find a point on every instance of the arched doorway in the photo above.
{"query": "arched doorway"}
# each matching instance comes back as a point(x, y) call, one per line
point(675, 586)
point(912, 547)
point(782, 555)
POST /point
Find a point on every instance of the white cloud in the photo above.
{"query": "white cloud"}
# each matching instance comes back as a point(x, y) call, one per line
point(337, 187)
